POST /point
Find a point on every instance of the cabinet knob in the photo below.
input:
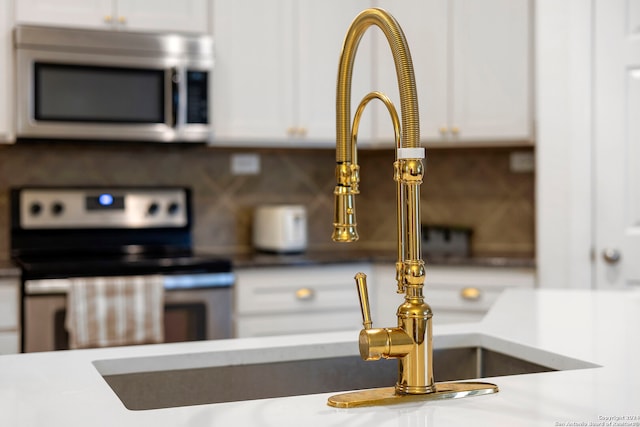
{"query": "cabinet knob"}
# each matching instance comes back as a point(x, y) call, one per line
point(297, 131)
point(471, 294)
point(305, 294)
point(455, 130)
point(611, 255)
point(122, 20)
point(108, 19)
point(443, 130)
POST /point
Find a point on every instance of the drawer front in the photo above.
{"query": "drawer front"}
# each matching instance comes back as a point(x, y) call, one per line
point(472, 289)
point(297, 289)
point(447, 317)
point(298, 323)
point(486, 277)
point(9, 303)
point(455, 293)
point(463, 298)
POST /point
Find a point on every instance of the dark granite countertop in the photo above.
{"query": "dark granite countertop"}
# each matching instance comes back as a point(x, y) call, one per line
point(258, 259)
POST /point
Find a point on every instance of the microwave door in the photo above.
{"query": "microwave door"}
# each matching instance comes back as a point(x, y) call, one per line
point(98, 94)
point(68, 100)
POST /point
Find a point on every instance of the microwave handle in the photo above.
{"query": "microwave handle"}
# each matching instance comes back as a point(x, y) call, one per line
point(175, 96)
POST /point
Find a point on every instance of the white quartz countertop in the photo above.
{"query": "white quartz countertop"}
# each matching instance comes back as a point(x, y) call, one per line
point(594, 330)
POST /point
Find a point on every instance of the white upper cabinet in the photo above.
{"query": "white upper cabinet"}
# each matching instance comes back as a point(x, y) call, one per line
point(276, 69)
point(6, 126)
point(472, 61)
point(134, 15)
point(252, 84)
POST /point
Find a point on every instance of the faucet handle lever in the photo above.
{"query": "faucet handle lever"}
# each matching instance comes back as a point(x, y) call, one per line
point(363, 295)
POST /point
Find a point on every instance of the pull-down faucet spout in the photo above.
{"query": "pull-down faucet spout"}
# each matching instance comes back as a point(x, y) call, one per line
point(411, 340)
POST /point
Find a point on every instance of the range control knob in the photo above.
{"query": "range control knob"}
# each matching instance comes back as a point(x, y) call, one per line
point(173, 208)
point(153, 208)
point(35, 208)
point(57, 208)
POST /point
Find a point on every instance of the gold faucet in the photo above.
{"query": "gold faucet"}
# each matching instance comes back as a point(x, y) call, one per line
point(411, 341)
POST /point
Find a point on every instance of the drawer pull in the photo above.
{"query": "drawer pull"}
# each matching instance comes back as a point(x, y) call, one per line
point(471, 294)
point(305, 294)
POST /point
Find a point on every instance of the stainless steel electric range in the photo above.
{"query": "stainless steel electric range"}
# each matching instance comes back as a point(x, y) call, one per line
point(60, 233)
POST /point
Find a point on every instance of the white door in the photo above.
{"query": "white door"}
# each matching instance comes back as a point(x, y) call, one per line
point(617, 143)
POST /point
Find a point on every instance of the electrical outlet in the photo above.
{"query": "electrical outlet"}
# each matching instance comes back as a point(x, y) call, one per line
point(245, 164)
point(521, 161)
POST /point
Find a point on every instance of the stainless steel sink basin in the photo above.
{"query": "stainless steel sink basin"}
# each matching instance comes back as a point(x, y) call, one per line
point(202, 385)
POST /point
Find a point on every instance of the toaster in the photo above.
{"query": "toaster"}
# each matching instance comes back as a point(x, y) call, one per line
point(280, 228)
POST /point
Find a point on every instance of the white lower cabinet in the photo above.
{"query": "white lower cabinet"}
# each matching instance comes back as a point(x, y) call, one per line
point(323, 298)
point(298, 299)
point(456, 294)
point(9, 315)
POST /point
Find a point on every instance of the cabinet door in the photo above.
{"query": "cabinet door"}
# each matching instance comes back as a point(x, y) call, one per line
point(322, 27)
point(163, 15)
point(425, 25)
point(456, 294)
point(69, 13)
point(9, 342)
point(252, 89)
point(491, 68)
point(297, 299)
point(144, 15)
point(9, 304)
point(9, 314)
point(296, 323)
point(6, 132)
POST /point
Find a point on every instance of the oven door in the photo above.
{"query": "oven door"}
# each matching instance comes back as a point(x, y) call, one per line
point(191, 313)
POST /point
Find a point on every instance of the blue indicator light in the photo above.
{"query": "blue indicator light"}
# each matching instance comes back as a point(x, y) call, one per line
point(105, 199)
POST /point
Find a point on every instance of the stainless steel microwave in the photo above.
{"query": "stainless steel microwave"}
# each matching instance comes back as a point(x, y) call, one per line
point(111, 85)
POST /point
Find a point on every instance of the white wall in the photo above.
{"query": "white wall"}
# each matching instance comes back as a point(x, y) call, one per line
point(563, 56)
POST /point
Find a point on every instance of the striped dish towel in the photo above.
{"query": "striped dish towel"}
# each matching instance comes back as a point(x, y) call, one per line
point(115, 311)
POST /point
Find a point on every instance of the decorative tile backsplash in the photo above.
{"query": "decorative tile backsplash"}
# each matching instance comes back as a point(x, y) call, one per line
point(465, 187)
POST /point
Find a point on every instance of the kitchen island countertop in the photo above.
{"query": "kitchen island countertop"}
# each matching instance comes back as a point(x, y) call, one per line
point(598, 330)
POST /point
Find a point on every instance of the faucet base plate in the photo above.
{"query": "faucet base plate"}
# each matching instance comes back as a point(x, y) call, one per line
point(388, 396)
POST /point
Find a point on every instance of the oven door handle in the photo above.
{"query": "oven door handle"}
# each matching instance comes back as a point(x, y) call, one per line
point(199, 281)
point(171, 282)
